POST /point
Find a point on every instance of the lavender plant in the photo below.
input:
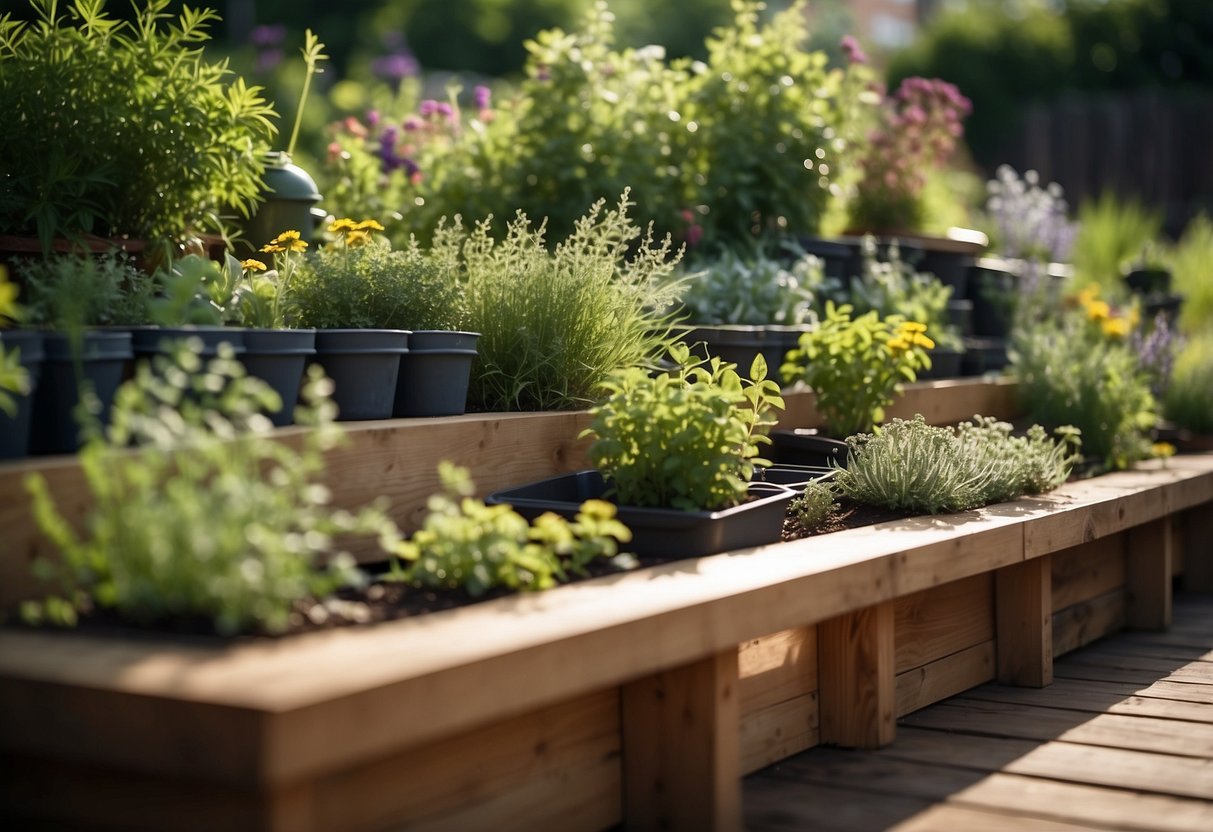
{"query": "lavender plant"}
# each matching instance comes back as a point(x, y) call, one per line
point(1030, 222)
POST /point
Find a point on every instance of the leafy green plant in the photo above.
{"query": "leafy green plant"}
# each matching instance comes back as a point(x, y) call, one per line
point(1112, 231)
point(1190, 261)
point(360, 281)
point(855, 366)
point(814, 507)
point(465, 544)
point(686, 439)
point(68, 291)
point(123, 128)
point(1072, 371)
point(555, 324)
point(210, 520)
point(753, 289)
point(1189, 399)
point(912, 466)
point(13, 377)
point(893, 286)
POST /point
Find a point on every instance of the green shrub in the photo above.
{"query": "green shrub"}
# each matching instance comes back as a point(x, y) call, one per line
point(1189, 401)
point(684, 439)
point(13, 377)
point(69, 291)
point(752, 289)
point(1111, 232)
point(893, 286)
point(465, 544)
point(856, 366)
point(1070, 373)
point(1192, 274)
point(913, 466)
point(210, 520)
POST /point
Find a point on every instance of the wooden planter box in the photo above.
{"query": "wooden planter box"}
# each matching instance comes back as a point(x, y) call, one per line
point(639, 698)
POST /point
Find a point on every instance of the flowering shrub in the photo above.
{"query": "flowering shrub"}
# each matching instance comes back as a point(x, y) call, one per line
point(918, 129)
point(856, 366)
point(1030, 222)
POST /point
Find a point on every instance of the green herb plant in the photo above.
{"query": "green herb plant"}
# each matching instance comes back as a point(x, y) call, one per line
point(1189, 398)
point(13, 377)
point(815, 506)
point(912, 466)
point(753, 289)
point(855, 366)
point(686, 439)
point(893, 286)
point(465, 544)
point(1112, 231)
point(66, 292)
point(210, 521)
point(123, 128)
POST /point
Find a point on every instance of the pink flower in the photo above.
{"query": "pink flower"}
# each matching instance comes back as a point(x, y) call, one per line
point(851, 48)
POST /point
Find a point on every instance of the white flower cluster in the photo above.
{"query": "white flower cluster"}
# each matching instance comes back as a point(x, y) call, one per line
point(1032, 221)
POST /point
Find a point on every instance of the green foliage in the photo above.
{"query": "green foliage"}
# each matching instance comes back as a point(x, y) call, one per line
point(856, 366)
point(13, 377)
point(555, 324)
point(123, 128)
point(814, 507)
point(465, 544)
point(66, 292)
point(913, 466)
point(1111, 232)
point(1189, 399)
point(893, 286)
point(753, 289)
point(1071, 373)
point(210, 520)
point(1191, 262)
point(368, 284)
point(686, 439)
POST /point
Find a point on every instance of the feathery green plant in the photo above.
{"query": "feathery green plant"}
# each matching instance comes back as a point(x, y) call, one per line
point(814, 506)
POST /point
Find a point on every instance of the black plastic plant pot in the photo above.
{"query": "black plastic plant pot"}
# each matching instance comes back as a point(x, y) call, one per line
point(945, 363)
point(994, 296)
point(103, 360)
point(662, 532)
point(740, 345)
point(837, 257)
point(278, 357)
point(984, 355)
point(150, 341)
point(960, 315)
point(442, 339)
point(806, 447)
point(1149, 282)
point(364, 365)
point(15, 429)
point(433, 383)
point(793, 476)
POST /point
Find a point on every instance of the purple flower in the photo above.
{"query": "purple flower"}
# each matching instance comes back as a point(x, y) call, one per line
point(373, 118)
point(395, 67)
point(853, 51)
point(411, 124)
point(267, 59)
point(428, 108)
point(484, 97)
point(267, 35)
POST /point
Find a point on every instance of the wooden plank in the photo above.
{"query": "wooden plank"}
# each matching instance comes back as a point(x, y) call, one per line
point(1202, 671)
point(778, 731)
point(681, 753)
point(1177, 685)
point(855, 677)
point(556, 768)
point(921, 686)
point(997, 543)
point(1024, 622)
point(941, 402)
point(1093, 697)
point(868, 778)
point(1033, 722)
point(943, 620)
point(1083, 623)
point(1148, 576)
point(1062, 761)
point(1084, 512)
point(1087, 571)
point(777, 668)
point(1179, 653)
point(1178, 545)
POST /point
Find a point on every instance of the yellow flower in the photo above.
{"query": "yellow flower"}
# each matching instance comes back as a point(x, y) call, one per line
point(341, 226)
point(1098, 310)
point(270, 248)
point(1116, 327)
point(923, 341)
point(287, 241)
point(357, 238)
point(1088, 295)
point(1162, 450)
point(897, 343)
point(913, 326)
point(252, 265)
point(369, 225)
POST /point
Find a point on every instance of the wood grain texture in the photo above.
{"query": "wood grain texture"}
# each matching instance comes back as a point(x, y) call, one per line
point(855, 676)
point(941, 402)
point(681, 754)
point(938, 622)
point(1148, 574)
point(1198, 548)
point(776, 668)
point(778, 731)
point(1088, 570)
point(922, 686)
point(1081, 624)
point(1023, 612)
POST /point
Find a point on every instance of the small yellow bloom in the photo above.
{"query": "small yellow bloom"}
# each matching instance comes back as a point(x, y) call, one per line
point(1088, 295)
point(897, 343)
point(1098, 310)
point(1162, 450)
point(252, 265)
point(913, 326)
point(270, 248)
point(369, 225)
point(357, 238)
point(289, 241)
point(1116, 328)
point(923, 341)
point(341, 226)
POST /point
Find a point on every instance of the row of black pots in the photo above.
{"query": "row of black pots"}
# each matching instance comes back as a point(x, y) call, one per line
point(377, 374)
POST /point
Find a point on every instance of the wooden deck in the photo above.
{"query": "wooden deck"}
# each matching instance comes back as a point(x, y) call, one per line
point(1123, 739)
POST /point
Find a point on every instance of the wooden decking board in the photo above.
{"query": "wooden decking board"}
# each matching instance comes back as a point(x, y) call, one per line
point(1122, 740)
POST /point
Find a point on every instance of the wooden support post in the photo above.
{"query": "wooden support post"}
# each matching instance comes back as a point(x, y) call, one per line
point(1023, 622)
point(1198, 548)
point(1148, 576)
point(857, 689)
point(681, 748)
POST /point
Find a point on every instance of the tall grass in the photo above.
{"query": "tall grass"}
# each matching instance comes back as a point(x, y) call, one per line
point(1111, 234)
point(1192, 275)
point(1189, 399)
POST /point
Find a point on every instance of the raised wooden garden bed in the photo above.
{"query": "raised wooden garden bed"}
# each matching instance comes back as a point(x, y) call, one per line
point(639, 698)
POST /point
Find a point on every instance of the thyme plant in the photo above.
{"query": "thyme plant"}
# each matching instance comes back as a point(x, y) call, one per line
point(209, 520)
point(814, 506)
point(688, 438)
point(467, 544)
